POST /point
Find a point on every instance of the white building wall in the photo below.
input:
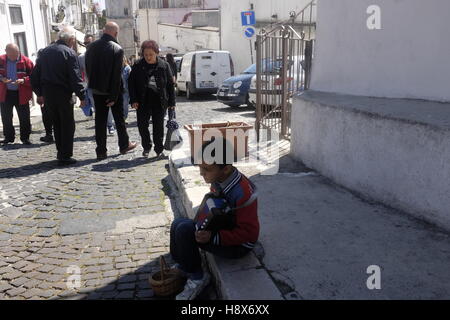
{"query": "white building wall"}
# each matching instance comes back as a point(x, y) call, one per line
point(186, 39)
point(232, 32)
point(32, 26)
point(407, 58)
point(148, 19)
point(5, 34)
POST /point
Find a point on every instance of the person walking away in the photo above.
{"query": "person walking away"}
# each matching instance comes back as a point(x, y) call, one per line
point(151, 93)
point(54, 79)
point(104, 59)
point(126, 70)
point(173, 66)
point(15, 91)
point(46, 116)
point(88, 109)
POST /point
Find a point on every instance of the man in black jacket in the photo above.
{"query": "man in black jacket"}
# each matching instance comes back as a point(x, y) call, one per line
point(56, 76)
point(104, 60)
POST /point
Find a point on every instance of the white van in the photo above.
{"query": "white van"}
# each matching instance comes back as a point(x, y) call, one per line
point(204, 71)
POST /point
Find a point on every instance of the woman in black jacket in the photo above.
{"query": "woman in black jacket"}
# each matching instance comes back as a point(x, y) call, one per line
point(151, 91)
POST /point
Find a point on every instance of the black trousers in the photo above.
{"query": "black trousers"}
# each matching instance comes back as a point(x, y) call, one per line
point(157, 112)
point(101, 119)
point(23, 111)
point(60, 109)
point(47, 120)
point(184, 247)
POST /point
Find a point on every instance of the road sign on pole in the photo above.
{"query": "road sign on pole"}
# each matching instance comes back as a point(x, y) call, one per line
point(248, 18)
point(249, 32)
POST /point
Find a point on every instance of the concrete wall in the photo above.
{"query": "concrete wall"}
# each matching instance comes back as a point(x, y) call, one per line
point(126, 36)
point(232, 34)
point(205, 18)
point(148, 19)
point(398, 158)
point(186, 39)
point(407, 58)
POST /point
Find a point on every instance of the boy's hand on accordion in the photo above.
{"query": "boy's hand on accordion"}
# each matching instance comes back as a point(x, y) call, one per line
point(203, 236)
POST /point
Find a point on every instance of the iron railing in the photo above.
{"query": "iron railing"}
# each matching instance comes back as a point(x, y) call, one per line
point(283, 64)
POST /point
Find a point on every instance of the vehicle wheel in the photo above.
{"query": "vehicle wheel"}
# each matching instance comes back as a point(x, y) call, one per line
point(188, 92)
point(248, 103)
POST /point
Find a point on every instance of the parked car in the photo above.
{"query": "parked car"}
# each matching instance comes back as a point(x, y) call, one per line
point(204, 71)
point(272, 82)
point(234, 91)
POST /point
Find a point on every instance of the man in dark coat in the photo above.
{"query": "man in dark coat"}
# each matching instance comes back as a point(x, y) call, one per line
point(54, 79)
point(104, 60)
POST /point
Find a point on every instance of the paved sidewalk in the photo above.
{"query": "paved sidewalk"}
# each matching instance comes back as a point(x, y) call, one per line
point(106, 221)
point(318, 241)
point(110, 218)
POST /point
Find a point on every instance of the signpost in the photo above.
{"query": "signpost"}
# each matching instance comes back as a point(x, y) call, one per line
point(248, 21)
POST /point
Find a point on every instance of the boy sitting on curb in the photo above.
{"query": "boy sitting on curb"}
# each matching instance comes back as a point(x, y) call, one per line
point(226, 223)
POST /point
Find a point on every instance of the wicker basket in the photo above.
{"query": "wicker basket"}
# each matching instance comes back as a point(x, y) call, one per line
point(166, 282)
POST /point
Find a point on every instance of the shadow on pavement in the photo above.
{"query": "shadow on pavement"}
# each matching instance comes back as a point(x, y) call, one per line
point(131, 286)
point(123, 164)
point(37, 168)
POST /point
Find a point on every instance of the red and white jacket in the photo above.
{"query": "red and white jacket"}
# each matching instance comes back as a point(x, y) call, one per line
point(237, 192)
point(24, 68)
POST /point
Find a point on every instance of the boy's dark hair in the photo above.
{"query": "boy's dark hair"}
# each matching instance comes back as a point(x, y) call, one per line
point(227, 149)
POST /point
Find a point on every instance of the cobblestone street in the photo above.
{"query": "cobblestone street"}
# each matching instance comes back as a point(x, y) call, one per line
point(110, 218)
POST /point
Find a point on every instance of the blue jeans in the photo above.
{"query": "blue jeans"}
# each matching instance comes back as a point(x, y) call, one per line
point(126, 103)
point(184, 247)
point(87, 109)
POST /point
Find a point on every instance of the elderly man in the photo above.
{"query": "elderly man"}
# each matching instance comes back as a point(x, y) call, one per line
point(54, 79)
point(104, 60)
point(15, 91)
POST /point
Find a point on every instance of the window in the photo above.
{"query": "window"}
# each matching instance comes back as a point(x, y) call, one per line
point(16, 14)
point(21, 41)
point(125, 11)
point(2, 9)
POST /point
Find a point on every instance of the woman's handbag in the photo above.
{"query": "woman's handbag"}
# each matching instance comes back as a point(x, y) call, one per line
point(173, 136)
point(166, 282)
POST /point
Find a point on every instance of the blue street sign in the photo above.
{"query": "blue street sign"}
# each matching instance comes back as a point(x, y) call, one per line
point(249, 32)
point(248, 18)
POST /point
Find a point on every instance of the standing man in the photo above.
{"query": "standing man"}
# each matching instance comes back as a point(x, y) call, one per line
point(104, 60)
point(54, 79)
point(15, 91)
point(46, 117)
point(89, 108)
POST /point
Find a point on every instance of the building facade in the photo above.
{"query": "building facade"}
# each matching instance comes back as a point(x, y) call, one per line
point(180, 25)
point(21, 22)
point(33, 24)
point(124, 13)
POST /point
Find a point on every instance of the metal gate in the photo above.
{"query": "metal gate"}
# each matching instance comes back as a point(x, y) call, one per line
point(283, 64)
